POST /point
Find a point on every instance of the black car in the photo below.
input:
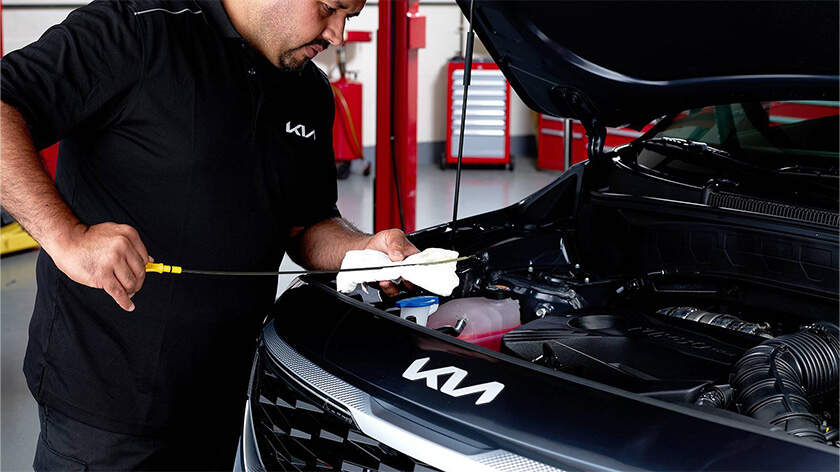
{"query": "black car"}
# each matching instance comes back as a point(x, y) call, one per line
point(677, 296)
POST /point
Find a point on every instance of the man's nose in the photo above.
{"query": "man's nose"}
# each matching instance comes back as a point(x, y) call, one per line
point(334, 32)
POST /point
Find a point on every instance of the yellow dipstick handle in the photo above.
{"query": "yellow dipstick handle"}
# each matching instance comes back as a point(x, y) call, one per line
point(161, 268)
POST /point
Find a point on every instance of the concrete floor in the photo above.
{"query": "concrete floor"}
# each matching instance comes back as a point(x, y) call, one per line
point(481, 190)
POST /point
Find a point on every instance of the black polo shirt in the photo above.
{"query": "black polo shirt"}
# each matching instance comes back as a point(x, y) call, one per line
point(169, 122)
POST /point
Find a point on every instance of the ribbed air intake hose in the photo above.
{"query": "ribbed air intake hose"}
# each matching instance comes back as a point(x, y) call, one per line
point(774, 380)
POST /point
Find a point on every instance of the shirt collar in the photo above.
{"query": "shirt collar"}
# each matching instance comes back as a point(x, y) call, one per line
point(219, 18)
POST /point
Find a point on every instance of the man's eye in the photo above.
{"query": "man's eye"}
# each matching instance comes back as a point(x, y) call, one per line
point(328, 9)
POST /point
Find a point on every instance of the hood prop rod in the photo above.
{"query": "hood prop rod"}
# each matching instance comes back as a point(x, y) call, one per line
point(467, 73)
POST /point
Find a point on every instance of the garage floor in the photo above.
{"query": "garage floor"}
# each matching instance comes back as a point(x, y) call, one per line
point(481, 190)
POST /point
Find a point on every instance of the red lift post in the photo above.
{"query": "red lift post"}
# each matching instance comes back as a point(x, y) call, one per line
point(402, 32)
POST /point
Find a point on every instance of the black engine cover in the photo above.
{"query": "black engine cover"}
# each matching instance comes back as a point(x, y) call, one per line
point(632, 351)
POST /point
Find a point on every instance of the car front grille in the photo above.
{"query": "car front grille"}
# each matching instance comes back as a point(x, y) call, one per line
point(296, 430)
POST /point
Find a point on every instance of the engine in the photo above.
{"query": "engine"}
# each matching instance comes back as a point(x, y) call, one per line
point(659, 336)
point(633, 351)
point(630, 334)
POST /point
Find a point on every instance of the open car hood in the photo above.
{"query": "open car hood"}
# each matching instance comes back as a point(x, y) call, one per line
point(627, 62)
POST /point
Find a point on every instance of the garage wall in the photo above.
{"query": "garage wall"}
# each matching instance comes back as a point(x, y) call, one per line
point(25, 20)
point(442, 43)
point(21, 26)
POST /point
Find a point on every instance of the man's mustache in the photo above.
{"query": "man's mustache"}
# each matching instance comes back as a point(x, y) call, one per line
point(318, 42)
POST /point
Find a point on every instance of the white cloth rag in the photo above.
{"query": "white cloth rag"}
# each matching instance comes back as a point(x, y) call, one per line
point(439, 279)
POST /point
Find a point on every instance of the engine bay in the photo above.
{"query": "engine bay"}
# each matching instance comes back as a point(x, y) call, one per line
point(704, 342)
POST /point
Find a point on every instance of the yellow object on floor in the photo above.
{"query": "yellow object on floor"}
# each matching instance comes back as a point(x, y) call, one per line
point(14, 239)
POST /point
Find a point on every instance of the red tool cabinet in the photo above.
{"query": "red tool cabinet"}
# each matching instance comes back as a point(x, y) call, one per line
point(487, 127)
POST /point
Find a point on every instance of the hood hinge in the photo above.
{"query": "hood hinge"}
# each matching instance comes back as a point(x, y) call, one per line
point(596, 133)
point(585, 111)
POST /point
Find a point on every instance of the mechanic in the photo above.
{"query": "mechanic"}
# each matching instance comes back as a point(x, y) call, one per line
point(197, 132)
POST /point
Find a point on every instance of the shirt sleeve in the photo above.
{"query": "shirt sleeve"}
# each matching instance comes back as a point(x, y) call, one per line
point(78, 76)
point(316, 182)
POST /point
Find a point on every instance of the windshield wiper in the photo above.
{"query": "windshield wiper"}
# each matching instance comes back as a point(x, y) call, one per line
point(697, 148)
point(830, 173)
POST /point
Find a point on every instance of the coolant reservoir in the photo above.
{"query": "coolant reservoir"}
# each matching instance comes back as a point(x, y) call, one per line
point(486, 319)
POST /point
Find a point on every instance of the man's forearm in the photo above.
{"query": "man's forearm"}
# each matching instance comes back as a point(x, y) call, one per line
point(322, 245)
point(26, 190)
point(109, 256)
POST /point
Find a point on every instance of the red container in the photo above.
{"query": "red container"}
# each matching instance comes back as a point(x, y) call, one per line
point(347, 128)
point(491, 341)
point(487, 320)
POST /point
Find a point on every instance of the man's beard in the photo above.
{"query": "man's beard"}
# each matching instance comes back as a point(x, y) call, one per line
point(288, 61)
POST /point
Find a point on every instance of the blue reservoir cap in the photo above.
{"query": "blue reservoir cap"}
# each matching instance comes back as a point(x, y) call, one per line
point(414, 302)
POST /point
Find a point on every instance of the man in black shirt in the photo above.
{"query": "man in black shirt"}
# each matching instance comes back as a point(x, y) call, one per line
point(196, 132)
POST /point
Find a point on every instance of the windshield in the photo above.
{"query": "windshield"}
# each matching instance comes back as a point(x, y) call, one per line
point(784, 150)
point(783, 133)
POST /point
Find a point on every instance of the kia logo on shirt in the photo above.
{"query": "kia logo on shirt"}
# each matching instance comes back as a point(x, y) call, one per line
point(299, 130)
point(488, 390)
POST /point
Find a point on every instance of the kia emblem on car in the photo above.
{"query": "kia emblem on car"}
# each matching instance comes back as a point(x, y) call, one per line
point(489, 390)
